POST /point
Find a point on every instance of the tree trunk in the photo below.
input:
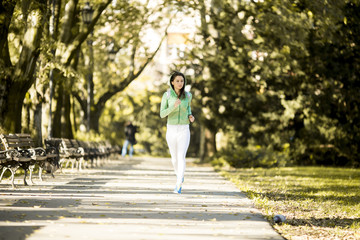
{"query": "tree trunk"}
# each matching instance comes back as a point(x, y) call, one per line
point(11, 109)
point(7, 111)
point(27, 118)
point(67, 129)
point(74, 114)
point(58, 112)
point(95, 119)
point(210, 139)
point(6, 13)
point(202, 147)
point(207, 144)
point(38, 123)
point(72, 41)
point(19, 79)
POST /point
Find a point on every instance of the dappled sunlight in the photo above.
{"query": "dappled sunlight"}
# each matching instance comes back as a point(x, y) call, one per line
point(133, 198)
point(324, 199)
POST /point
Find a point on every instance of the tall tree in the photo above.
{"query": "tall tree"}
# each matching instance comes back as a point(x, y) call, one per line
point(127, 36)
point(282, 73)
point(69, 42)
point(17, 67)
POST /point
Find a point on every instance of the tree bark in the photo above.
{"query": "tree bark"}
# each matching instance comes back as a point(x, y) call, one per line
point(207, 147)
point(208, 132)
point(210, 139)
point(98, 108)
point(38, 122)
point(58, 112)
point(6, 68)
point(68, 55)
point(13, 110)
point(68, 133)
point(20, 78)
point(202, 147)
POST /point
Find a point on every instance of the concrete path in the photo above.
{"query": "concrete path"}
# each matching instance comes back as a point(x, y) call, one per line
point(130, 199)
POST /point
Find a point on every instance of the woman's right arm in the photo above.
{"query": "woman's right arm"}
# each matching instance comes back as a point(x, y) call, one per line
point(165, 109)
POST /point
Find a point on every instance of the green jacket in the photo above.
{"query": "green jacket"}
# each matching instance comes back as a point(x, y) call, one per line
point(176, 115)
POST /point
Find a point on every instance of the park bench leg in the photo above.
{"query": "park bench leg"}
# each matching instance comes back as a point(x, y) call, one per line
point(42, 165)
point(81, 163)
point(61, 162)
point(73, 164)
point(31, 169)
point(25, 175)
point(67, 163)
point(53, 169)
point(40, 173)
point(13, 170)
point(2, 173)
point(55, 166)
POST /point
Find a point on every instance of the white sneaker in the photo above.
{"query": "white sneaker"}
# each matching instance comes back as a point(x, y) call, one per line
point(177, 189)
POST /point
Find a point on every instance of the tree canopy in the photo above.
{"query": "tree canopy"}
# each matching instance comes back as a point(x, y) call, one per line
point(274, 82)
point(280, 79)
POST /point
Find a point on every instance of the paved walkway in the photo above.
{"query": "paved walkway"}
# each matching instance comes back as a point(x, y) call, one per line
point(130, 199)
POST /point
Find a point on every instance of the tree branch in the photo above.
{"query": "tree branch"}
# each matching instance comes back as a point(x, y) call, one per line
point(123, 84)
point(81, 101)
point(70, 51)
point(141, 69)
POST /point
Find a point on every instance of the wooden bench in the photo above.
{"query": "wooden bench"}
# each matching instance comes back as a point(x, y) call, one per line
point(104, 149)
point(39, 155)
point(92, 154)
point(78, 152)
point(52, 147)
point(7, 162)
point(16, 157)
point(69, 154)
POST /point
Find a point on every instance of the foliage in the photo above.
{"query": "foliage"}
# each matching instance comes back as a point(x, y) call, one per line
point(318, 202)
point(270, 75)
point(282, 73)
point(142, 108)
point(253, 156)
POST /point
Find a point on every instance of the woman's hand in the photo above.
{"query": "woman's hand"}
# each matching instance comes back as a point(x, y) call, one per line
point(177, 102)
point(191, 118)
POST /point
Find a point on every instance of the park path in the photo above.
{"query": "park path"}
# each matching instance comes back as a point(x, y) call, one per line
point(130, 199)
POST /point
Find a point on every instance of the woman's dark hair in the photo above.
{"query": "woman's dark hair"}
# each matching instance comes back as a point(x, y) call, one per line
point(173, 76)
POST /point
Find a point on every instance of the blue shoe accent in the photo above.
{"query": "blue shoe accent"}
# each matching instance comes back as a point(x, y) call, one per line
point(178, 189)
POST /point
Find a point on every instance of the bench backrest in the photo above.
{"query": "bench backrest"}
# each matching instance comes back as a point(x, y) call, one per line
point(75, 143)
point(66, 143)
point(25, 140)
point(10, 141)
point(53, 142)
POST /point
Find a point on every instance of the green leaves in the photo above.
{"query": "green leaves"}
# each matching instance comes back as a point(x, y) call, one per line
point(293, 67)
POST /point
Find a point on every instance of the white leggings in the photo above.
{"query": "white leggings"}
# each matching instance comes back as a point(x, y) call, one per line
point(178, 139)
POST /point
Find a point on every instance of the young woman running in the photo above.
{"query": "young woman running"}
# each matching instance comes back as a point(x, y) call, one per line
point(175, 105)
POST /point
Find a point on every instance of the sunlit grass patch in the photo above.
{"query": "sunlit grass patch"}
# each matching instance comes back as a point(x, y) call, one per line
point(318, 202)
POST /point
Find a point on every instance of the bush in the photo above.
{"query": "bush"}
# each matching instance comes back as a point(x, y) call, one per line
point(252, 156)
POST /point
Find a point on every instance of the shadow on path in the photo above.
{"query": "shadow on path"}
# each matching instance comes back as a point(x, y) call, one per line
point(132, 199)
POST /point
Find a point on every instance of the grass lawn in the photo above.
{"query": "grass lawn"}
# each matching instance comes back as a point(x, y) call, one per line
point(318, 202)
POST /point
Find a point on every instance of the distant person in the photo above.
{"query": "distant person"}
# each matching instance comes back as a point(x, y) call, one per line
point(175, 105)
point(130, 131)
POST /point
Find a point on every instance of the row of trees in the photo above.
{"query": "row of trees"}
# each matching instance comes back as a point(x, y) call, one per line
point(277, 79)
point(44, 40)
point(280, 79)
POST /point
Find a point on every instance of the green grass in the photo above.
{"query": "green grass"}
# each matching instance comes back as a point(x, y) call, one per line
point(318, 202)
